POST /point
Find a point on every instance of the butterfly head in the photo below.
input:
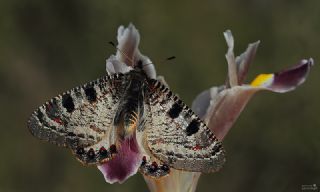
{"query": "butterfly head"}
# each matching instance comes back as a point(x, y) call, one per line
point(139, 66)
point(145, 67)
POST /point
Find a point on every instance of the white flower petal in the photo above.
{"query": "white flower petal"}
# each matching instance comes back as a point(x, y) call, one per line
point(113, 65)
point(232, 68)
point(128, 54)
point(244, 61)
point(128, 41)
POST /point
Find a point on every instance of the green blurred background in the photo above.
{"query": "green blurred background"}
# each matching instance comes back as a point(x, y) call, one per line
point(49, 46)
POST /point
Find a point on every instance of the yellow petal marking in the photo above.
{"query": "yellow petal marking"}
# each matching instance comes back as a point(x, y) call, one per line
point(261, 79)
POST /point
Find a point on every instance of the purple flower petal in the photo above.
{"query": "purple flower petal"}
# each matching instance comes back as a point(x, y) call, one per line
point(125, 163)
point(289, 79)
point(220, 108)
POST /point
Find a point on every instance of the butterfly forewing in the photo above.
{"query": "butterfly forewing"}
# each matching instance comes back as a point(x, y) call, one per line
point(176, 136)
point(81, 119)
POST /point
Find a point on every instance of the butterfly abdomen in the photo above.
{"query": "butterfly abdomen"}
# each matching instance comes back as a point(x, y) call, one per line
point(130, 110)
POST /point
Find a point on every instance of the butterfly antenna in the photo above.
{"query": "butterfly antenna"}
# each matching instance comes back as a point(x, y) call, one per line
point(171, 58)
point(167, 59)
point(122, 52)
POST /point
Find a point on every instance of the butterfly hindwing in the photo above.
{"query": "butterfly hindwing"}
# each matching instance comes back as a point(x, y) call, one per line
point(81, 119)
point(176, 136)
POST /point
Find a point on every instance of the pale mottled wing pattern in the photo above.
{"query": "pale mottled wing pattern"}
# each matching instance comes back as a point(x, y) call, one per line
point(176, 136)
point(81, 119)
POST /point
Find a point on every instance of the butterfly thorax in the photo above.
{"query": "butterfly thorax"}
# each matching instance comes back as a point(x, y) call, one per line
point(130, 111)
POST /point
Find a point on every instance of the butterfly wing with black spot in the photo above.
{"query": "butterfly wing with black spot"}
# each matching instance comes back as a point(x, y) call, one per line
point(176, 136)
point(81, 119)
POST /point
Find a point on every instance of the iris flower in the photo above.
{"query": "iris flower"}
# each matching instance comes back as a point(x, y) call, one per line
point(218, 107)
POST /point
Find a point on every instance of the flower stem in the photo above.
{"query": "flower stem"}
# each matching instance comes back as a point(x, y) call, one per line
point(176, 181)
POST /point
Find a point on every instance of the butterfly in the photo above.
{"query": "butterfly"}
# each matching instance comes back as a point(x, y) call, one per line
point(93, 118)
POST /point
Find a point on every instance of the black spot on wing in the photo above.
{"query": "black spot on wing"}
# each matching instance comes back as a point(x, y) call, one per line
point(91, 94)
point(175, 110)
point(67, 102)
point(193, 127)
point(91, 154)
point(80, 151)
point(39, 115)
point(71, 134)
point(103, 153)
point(216, 149)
